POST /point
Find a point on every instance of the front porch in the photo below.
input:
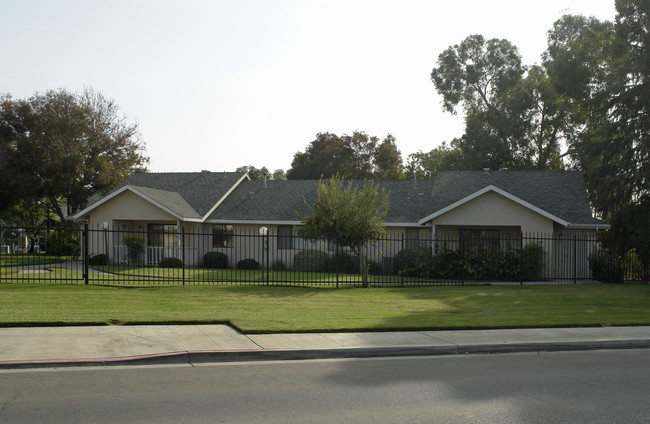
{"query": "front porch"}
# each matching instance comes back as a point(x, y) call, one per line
point(152, 255)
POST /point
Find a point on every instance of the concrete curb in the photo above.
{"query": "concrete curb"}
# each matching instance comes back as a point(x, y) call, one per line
point(205, 357)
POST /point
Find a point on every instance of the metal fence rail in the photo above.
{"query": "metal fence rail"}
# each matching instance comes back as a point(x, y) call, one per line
point(120, 257)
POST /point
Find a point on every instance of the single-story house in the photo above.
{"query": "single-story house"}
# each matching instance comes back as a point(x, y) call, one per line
point(477, 204)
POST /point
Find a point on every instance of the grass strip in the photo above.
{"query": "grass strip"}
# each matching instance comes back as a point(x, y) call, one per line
point(297, 309)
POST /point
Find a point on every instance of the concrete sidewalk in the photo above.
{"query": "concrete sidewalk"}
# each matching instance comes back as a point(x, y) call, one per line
point(29, 347)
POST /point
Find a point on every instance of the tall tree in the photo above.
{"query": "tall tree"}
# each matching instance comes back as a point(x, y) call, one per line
point(426, 165)
point(603, 71)
point(349, 215)
point(68, 147)
point(598, 66)
point(512, 118)
point(16, 117)
point(388, 160)
point(279, 174)
point(322, 157)
point(358, 156)
point(254, 173)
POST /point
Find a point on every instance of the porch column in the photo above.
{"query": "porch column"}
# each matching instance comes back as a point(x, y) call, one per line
point(433, 238)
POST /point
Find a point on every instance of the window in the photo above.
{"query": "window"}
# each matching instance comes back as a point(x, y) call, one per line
point(479, 239)
point(222, 235)
point(412, 237)
point(288, 238)
point(162, 235)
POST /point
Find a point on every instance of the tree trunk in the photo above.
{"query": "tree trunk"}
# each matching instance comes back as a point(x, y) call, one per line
point(363, 267)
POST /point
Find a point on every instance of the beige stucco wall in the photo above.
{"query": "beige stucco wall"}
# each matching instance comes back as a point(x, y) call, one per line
point(494, 210)
point(127, 206)
point(251, 247)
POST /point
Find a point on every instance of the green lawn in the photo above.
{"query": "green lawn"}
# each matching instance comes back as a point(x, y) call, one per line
point(286, 309)
point(28, 259)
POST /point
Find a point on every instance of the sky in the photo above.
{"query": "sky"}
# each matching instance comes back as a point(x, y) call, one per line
point(215, 85)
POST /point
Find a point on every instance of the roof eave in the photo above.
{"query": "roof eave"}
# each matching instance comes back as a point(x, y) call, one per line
point(138, 193)
point(596, 227)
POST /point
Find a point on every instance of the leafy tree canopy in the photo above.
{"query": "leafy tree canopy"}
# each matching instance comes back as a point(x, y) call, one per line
point(64, 148)
point(351, 156)
point(348, 214)
point(603, 71)
point(258, 174)
point(426, 165)
point(513, 119)
point(254, 173)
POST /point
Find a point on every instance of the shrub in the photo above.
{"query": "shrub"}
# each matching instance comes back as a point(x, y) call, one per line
point(310, 261)
point(248, 263)
point(532, 261)
point(217, 260)
point(278, 265)
point(135, 246)
point(64, 242)
point(604, 267)
point(446, 263)
point(343, 262)
point(412, 262)
point(374, 268)
point(100, 259)
point(632, 266)
point(170, 263)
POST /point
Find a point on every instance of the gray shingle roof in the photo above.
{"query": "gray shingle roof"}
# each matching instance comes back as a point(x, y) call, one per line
point(560, 193)
point(171, 200)
point(201, 190)
point(285, 201)
point(191, 195)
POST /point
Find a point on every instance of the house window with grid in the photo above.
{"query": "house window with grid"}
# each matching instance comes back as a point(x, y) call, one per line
point(222, 235)
point(288, 238)
point(412, 237)
point(162, 235)
point(479, 239)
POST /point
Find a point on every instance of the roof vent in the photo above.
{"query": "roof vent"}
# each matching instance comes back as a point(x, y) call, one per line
point(251, 194)
point(204, 171)
point(486, 170)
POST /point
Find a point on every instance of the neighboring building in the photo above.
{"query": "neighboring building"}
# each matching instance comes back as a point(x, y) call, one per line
point(480, 205)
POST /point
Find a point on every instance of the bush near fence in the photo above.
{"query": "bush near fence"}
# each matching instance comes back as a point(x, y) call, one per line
point(217, 260)
point(478, 264)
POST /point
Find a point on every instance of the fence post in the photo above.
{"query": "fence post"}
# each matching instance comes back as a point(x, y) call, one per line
point(464, 258)
point(85, 252)
point(336, 264)
point(402, 271)
point(268, 263)
point(575, 259)
point(521, 260)
point(183, 252)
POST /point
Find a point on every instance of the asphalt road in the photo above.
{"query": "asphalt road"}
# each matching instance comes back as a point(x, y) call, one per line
point(567, 387)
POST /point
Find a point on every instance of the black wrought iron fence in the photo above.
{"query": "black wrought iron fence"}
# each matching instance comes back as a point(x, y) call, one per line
point(164, 254)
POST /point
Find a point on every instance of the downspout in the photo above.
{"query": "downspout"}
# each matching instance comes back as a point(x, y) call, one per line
point(179, 242)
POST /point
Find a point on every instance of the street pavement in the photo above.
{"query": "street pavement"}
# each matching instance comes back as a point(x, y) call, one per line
point(30, 347)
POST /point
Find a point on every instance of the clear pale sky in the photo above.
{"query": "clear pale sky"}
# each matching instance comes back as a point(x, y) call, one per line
point(220, 84)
